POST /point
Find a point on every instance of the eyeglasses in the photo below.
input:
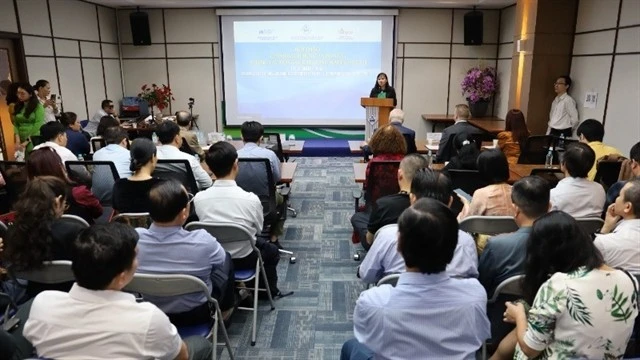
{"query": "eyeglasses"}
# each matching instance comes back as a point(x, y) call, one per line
point(190, 196)
point(557, 83)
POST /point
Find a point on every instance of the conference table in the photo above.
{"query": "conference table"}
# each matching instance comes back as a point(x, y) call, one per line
point(492, 125)
point(286, 148)
point(287, 169)
point(421, 146)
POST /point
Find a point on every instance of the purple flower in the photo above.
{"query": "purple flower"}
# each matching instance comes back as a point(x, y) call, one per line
point(479, 84)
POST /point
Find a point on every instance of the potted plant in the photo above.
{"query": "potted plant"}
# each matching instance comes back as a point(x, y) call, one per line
point(156, 96)
point(478, 86)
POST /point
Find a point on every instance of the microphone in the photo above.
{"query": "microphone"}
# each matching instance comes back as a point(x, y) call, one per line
point(192, 100)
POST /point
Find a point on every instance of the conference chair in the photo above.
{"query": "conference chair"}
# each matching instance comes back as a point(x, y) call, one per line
point(273, 142)
point(51, 272)
point(508, 290)
point(103, 176)
point(230, 236)
point(381, 181)
point(179, 170)
point(608, 171)
point(185, 148)
point(467, 180)
point(97, 143)
point(590, 225)
point(391, 279)
point(489, 225)
point(75, 219)
point(535, 149)
point(135, 220)
point(553, 176)
point(167, 285)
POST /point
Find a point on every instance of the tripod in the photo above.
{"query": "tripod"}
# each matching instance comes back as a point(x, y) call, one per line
point(193, 121)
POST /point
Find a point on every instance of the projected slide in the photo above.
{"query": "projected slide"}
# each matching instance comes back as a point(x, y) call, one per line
point(303, 72)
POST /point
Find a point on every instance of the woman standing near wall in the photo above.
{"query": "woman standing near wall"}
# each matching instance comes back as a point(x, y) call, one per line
point(43, 90)
point(28, 118)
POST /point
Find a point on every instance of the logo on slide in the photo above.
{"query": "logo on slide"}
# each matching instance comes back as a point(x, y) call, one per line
point(265, 31)
point(306, 30)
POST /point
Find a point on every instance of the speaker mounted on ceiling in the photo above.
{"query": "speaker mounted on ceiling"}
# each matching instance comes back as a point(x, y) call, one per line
point(473, 27)
point(140, 32)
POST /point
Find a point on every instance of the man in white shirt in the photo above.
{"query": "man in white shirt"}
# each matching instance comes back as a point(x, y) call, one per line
point(575, 194)
point(55, 136)
point(95, 319)
point(563, 117)
point(106, 109)
point(619, 240)
point(169, 136)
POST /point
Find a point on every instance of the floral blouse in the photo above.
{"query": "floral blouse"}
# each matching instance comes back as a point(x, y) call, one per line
point(582, 315)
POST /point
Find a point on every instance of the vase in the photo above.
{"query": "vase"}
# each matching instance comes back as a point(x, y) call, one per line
point(479, 108)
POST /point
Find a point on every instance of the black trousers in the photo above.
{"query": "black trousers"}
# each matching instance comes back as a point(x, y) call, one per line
point(270, 256)
point(568, 132)
point(360, 223)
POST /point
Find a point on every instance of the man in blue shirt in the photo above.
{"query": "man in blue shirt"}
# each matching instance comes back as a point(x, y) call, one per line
point(166, 248)
point(116, 151)
point(427, 315)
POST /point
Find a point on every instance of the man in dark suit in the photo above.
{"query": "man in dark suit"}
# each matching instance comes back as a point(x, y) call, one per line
point(461, 115)
point(396, 118)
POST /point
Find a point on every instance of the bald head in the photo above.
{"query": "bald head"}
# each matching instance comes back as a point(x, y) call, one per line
point(183, 118)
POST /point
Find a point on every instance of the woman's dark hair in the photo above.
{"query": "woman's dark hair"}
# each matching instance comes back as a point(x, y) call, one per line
point(12, 93)
point(556, 244)
point(518, 127)
point(493, 166)
point(68, 118)
point(40, 84)
point(45, 162)
point(386, 77)
point(467, 151)
point(32, 103)
point(105, 123)
point(388, 140)
point(142, 151)
point(29, 240)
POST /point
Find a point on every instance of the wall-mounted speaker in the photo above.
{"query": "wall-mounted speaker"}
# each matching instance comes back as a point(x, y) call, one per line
point(473, 28)
point(140, 28)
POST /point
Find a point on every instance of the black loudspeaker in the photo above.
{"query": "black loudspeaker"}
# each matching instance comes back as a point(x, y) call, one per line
point(140, 28)
point(473, 28)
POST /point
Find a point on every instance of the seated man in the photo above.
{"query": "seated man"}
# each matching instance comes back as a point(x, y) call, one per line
point(106, 109)
point(54, 136)
point(169, 136)
point(383, 258)
point(591, 132)
point(619, 238)
point(96, 319)
point(396, 118)
point(226, 202)
point(633, 167)
point(167, 248)
point(427, 315)
point(388, 208)
point(116, 151)
point(461, 126)
point(183, 118)
point(575, 194)
point(77, 140)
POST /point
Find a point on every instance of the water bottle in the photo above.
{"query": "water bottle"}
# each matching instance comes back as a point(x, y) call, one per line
point(229, 138)
point(429, 159)
point(154, 138)
point(548, 161)
point(80, 157)
point(561, 141)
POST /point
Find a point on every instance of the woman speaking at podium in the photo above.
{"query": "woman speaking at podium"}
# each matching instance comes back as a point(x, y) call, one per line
point(382, 89)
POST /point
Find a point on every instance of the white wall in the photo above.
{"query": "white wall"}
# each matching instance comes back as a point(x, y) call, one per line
point(73, 45)
point(618, 86)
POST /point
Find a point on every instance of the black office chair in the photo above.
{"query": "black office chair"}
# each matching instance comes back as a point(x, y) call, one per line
point(103, 176)
point(273, 142)
point(608, 172)
point(535, 149)
point(179, 170)
point(467, 180)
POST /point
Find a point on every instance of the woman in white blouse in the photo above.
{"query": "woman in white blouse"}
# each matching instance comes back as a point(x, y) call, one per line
point(43, 89)
point(585, 310)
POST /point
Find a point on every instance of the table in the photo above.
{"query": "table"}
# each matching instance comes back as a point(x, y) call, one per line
point(287, 169)
point(286, 149)
point(436, 119)
point(421, 146)
point(491, 124)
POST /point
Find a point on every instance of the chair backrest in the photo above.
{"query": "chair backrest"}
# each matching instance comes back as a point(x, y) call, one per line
point(391, 279)
point(52, 272)
point(535, 149)
point(553, 176)
point(274, 142)
point(467, 180)
point(229, 235)
point(14, 174)
point(185, 148)
point(162, 285)
point(510, 286)
point(382, 180)
point(489, 225)
point(75, 219)
point(103, 176)
point(590, 225)
point(135, 220)
point(179, 170)
point(36, 140)
point(608, 172)
point(97, 143)
point(255, 175)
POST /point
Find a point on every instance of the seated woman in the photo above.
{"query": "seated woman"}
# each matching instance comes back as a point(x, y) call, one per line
point(387, 143)
point(37, 233)
point(514, 137)
point(77, 140)
point(132, 195)
point(46, 162)
point(584, 310)
point(466, 154)
point(494, 199)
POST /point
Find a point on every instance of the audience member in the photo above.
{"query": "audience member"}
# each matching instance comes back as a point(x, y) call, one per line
point(575, 194)
point(96, 319)
point(105, 123)
point(461, 125)
point(495, 198)
point(131, 195)
point(466, 156)
point(514, 137)
point(169, 136)
point(77, 141)
point(28, 117)
point(591, 132)
point(167, 248)
point(184, 120)
point(106, 109)
point(563, 117)
point(386, 144)
point(82, 202)
point(43, 90)
point(37, 233)
point(226, 202)
point(383, 258)
point(388, 208)
point(396, 119)
point(504, 255)
point(575, 313)
point(427, 312)
point(633, 165)
point(619, 238)
point(54, 136)
point(117, 152)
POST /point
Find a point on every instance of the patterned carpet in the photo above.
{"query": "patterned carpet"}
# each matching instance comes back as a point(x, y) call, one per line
point(315, 321)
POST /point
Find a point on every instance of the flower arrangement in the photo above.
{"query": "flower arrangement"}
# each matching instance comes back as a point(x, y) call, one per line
point(479, 84)
point(159, 96)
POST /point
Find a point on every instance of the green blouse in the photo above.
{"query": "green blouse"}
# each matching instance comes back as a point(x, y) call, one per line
point(26, 127)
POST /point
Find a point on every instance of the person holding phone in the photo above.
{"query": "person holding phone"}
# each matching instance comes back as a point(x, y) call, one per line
point(48, 100)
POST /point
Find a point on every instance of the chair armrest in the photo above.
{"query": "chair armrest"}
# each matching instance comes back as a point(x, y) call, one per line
point(357, 195)
point(284, 191)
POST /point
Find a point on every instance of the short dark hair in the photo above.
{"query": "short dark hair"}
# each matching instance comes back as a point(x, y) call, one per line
point(632, 195)
point(251, 131)
point(566, 78)
point(167, 131)
point(634, 153)
point(115, 135)
point(531, 195)
point(105, 103)
point(106, 122)
point(101, 252)
point(411, 163)
point(183, 118)
point(427, 236)
point(40, 84)
point(220, 158)
point(578, 159)
point(493, 166)
point(68, 118)
point(428, 183)
point(166, 200)
point(51, 130)
point(591, 129)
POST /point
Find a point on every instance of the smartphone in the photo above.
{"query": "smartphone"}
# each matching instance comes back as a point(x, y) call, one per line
point(463, 194)
point(53, 97)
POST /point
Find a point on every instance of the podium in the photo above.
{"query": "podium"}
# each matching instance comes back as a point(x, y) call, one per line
point(377, 110)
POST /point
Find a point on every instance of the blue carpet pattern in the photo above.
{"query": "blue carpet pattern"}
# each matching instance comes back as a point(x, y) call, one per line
point(315, 321)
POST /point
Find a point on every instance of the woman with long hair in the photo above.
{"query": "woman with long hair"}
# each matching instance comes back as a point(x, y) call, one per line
point(46, 162)
point(382, 89)
point(28, 117)
point(43, 91)
point(132, 195)
point(514, 136)
point(581, 308)
point(467, 153)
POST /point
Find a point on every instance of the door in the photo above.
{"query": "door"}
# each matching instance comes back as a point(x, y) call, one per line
point(8, 73)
